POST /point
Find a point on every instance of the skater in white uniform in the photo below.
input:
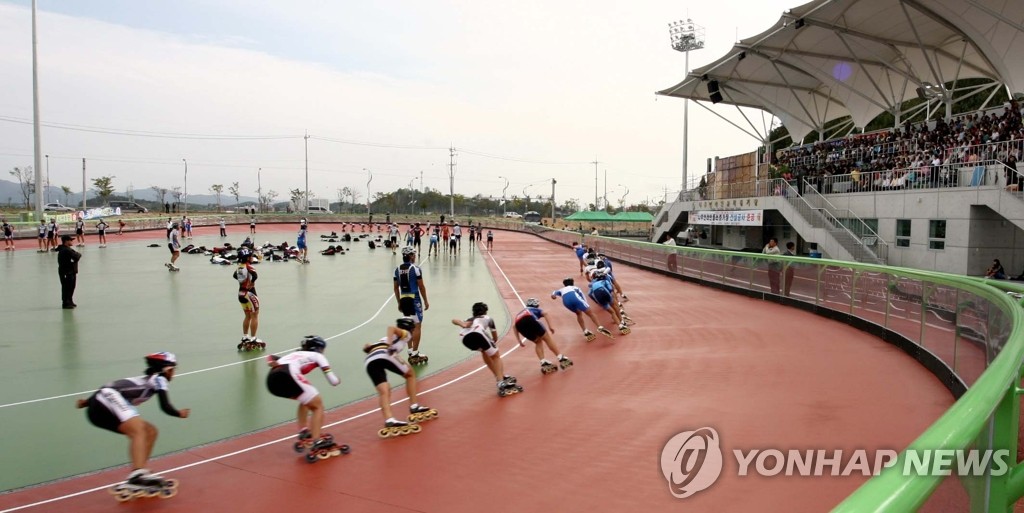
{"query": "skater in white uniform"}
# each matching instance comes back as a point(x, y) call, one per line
point(112, 407)
point(246, 276)
point(385, 356)
point(479, 334)
point(174, 245)
point(287, 379)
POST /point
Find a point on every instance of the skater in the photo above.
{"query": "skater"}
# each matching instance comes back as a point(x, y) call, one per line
point(446, 232)
point(101, 231)
point(452, 242)
point(287, 379)
point(393, 237)
point(52, 231)
point(120, 226)
point(252, 224)
point(527, 326)
point(490, 240)
point(246, 276)
point(174, 245)
point(8, 236)
point(457, 231)
point(573, 300)
point(602, 292)
point(80, 232)
point(188, 227)
point(42, 236)
point(432, 249)
point(112, 407)
point(300, 243)
point(223, 228)
point(479, 334)
point(384, 356)
point(472, 235)
point(411, 294)
point(581, 253)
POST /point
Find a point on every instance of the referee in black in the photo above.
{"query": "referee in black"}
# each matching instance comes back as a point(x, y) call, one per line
point(67, 269)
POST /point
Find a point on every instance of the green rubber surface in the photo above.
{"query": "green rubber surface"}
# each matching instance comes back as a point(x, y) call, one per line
point(131, 305)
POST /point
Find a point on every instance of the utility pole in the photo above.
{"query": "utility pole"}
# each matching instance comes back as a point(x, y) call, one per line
point(306, 138)
point(37, 141)
point(451, 180)
point(553, 182)
point(606, 188)
point(595, 184)
point(259, 190)
point(83, 183)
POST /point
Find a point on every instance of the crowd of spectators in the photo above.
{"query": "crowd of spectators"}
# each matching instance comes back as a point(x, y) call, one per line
point(914, 155)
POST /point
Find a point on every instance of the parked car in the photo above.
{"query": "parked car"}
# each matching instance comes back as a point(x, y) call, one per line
point(513, 215)
point(319, 210)
point(128, 206)
point(57, 207)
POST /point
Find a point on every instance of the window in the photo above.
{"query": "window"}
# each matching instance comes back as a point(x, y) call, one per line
point(903, 233)
point(937, 234)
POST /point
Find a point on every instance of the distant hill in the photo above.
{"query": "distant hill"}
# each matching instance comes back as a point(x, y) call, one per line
point(10, 195)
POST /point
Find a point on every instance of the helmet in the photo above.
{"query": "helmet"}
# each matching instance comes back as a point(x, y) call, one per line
point(174, 224)
point(313, 343)
point(479, 309)
point(568, 282)
point(160, 361)
point(405, 323)
point(532, 302)
point(600, 264)
point(408, 250)
point(244, 254)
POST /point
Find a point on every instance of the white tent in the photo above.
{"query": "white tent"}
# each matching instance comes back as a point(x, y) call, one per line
point(833, 58)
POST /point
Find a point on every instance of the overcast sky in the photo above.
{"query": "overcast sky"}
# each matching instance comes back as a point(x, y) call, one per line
point(529, 90)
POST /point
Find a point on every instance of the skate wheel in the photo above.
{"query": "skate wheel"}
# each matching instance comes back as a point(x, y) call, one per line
point(323, 454)
point(299, 447)
point(311, 458)
point(124, 495)
point(415, 428)
point(384, 433)
point(405, 430)
point(345, 449)
point(171, 483)
point(167, 493)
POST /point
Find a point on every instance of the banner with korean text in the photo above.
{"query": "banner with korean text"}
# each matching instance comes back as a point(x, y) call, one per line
point(728, 217)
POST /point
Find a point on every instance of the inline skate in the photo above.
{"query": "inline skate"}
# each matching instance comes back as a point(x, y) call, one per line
point(421, 414)
point(143, 484)
point(589, 335)
point(508, 386)
point(547, 367)
point(325, 448)
point(604, 331)
point(564, 363)
point(398, 428)
point(418, 358)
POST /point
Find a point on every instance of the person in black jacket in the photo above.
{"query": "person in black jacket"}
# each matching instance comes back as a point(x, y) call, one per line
point(67, 269)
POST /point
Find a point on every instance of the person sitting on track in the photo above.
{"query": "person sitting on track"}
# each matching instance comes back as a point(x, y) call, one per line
point(112, 407)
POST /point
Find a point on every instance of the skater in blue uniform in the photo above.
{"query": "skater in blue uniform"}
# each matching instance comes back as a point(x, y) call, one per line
point(575, 302)
point(385, 356)
point(602, 292)
point(581, 253)
point(528, 326)
point(300, 243)
point(112, 407)
point(411, 294)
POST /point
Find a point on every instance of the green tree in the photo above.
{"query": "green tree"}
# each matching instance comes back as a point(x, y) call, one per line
point(104, 187)
point(234, 192)
point(26, 183)
point(217, 190)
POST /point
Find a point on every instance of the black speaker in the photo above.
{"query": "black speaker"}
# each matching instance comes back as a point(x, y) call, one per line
point(921, 93)
point(713, 93)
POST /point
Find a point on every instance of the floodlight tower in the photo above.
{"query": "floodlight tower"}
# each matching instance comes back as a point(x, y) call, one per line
point(686, 36)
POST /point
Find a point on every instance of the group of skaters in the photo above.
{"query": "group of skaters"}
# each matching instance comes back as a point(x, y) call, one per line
point(112, 407)
point(48, 234)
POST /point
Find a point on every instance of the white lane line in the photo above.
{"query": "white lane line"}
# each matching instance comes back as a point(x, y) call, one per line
point(183, 374)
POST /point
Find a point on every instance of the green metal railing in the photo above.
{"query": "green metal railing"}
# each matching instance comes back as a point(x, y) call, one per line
point(974, 328)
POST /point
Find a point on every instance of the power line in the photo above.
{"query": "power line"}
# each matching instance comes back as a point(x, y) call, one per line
point(142, 133)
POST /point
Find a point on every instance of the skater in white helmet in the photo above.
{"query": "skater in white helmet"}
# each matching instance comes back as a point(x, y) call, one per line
point(287, 379)
point(479, 334)
point(385, 356)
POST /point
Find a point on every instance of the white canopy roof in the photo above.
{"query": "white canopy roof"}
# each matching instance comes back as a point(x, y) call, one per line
point(833, 58)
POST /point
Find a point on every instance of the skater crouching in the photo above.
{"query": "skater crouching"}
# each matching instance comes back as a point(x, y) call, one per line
point(479, 334)
point(573, 300)
point(385, 356)
point(527, 326)
point(112, 407)
point(287, 379)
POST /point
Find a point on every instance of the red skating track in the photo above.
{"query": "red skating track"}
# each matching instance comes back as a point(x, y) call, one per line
point(588, 439)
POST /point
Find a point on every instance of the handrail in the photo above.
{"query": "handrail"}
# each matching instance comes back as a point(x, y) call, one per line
point(992, 396)
point(883, 247)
